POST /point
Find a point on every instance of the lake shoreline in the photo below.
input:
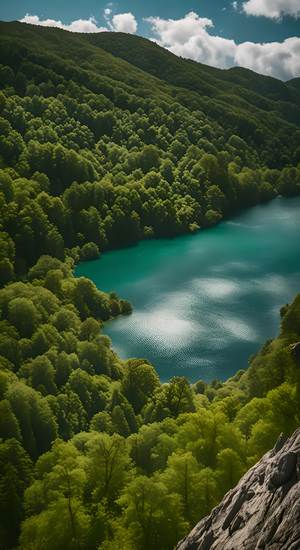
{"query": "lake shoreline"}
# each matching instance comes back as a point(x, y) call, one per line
point(234, 214)
point(171, 317)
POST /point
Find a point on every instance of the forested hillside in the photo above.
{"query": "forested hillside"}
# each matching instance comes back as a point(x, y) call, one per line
point(99, 152)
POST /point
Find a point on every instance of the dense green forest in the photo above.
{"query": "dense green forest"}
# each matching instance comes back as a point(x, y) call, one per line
point(106, 140)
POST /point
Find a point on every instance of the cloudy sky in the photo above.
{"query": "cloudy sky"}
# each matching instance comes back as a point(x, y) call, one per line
point(263, 35)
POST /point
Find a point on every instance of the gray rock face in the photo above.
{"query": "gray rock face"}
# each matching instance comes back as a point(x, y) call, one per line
point(261, 512)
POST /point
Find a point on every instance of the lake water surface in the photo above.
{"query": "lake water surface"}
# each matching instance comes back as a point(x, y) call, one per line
point(204, 303)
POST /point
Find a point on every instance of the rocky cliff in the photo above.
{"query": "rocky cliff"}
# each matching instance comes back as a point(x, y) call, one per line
point(261, 512)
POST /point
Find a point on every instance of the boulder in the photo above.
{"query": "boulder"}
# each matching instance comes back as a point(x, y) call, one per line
point(262, 511)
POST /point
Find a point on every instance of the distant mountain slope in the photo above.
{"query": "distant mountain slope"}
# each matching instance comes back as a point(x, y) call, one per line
point(223, 95)
point(46, 45)
point(294, 83)
point(196, 76)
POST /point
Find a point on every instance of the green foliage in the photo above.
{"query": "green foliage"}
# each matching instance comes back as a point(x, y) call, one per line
point(92, 161)
point(15, 476)
point(139, 382)
point(148, 503)
point(96, 154)
point(175, 453)
point(23, 315)
point(89, 251)
point(171, 399)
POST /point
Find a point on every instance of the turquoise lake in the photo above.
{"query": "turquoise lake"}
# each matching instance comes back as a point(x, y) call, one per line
point(204, 303)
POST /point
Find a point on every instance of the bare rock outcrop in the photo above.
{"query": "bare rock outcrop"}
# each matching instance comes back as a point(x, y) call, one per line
point(262, 511)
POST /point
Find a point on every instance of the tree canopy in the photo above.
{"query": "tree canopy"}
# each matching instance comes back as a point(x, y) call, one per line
point(99, 150)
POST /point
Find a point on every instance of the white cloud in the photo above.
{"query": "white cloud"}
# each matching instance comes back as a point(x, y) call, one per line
point(121, 22)
point(179, 30)
point(107, 12)
point(234, 5)
point(273, 9)
point(279, 59)
point(79, 25)
point(124, 22)
point(189, 37)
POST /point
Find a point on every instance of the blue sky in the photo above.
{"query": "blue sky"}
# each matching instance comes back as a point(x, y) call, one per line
point(260, 34)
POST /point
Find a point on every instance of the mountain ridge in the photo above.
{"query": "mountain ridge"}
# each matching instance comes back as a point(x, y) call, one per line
point(255, 115)
point(195, 76)
point(117, 44)
point(114, 43)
